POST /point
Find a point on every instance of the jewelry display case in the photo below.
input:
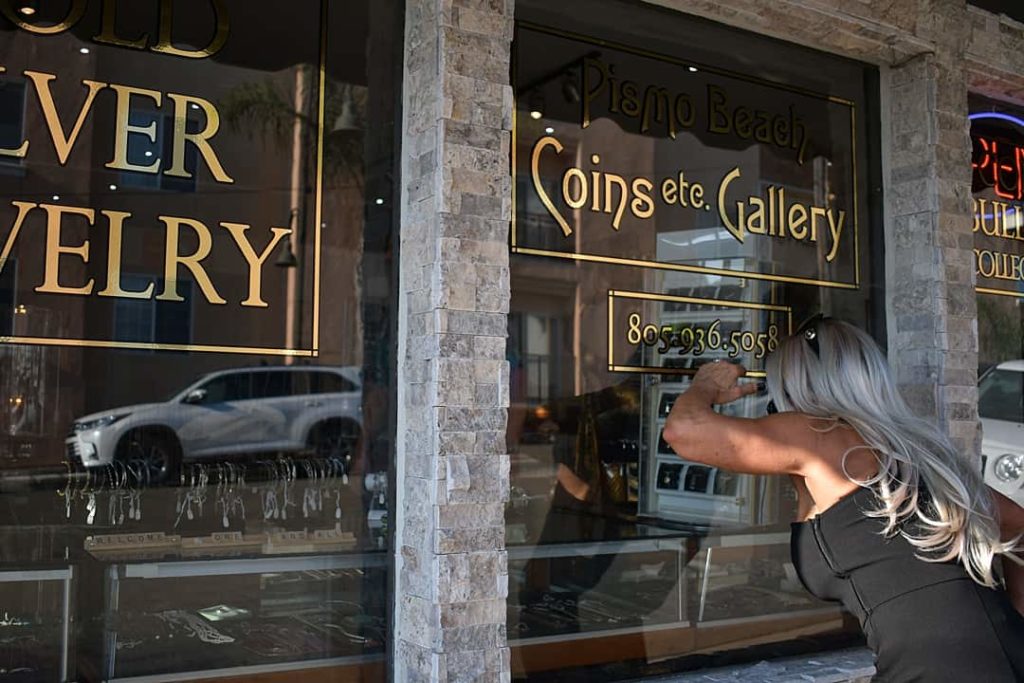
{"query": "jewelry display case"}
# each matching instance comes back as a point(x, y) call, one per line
point(660, 594)
point(260, 568)
point(36, 623)
point(196, 619)
point(263, 568)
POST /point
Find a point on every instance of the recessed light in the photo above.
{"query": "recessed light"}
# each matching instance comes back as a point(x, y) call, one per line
point(113, 187)
point(693, 69)
point(378, 201)
point(84, 50)
point(148, 153)
point(56, 197)
point(536, 114)
point(195, 106)
point(549, 130)
point(27, 10)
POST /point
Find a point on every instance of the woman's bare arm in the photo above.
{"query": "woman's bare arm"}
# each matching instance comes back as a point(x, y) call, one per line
point(768, 445)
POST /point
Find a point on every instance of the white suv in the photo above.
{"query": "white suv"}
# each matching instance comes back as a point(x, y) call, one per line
point(231, 412)
point(1001, 407)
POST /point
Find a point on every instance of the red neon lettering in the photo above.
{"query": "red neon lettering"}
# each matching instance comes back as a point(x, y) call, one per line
point(1003, 171)
point(986, 155)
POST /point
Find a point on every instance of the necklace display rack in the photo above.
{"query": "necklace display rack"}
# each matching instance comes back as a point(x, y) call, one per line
point(225, 494)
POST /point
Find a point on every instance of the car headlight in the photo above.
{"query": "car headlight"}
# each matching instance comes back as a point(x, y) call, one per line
point(98, 423)
point(1009, 467)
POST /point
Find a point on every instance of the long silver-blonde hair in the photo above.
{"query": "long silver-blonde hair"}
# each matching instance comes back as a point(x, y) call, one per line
point(849, 381)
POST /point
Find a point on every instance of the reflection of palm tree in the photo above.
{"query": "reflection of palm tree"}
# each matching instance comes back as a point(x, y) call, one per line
point(290, 120)
point(266, 108)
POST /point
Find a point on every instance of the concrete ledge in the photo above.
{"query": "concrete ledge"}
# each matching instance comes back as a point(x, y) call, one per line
point(843, 666)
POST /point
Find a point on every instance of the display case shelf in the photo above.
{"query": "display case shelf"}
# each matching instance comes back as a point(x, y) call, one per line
point(663, 595)
point(45, 626)
point(253, 616)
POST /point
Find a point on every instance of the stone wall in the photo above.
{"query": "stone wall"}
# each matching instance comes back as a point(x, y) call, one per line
point(995, 60)
point(452, 464)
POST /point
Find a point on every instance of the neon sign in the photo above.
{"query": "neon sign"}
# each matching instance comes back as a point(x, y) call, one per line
point(998, 164)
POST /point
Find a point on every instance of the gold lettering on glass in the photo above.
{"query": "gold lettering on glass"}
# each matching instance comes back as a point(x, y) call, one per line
point(192, 262)
point(55, 249)
point(62, 144)
point(220, 37)
point(123, 128)
point(75, 12)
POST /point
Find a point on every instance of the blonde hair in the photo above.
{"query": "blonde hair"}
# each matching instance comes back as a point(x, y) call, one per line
point(849, 381)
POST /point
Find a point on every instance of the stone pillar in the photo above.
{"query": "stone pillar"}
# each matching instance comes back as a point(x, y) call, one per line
point(452, 472)
point(933, 341)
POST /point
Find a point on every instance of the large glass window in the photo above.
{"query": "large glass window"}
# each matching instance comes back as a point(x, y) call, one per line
point(997, 137)
point(684, 192)
point(196, 311)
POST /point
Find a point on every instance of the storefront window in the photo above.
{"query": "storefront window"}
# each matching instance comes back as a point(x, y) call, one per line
point(684, 192)
point(997, 137)
point(196, 316)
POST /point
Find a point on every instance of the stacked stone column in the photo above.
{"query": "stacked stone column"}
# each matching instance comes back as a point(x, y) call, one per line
point(452, 472)
point(933, 336)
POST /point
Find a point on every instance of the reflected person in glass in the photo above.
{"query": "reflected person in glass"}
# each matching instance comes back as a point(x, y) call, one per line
point(894, 522)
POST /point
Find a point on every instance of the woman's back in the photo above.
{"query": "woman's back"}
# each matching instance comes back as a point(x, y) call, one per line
point(925, 621)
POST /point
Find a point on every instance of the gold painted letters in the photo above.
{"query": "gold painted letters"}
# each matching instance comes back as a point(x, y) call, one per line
point(54, 249)
point(254, 260)
point(193, 262)
point(62, 144)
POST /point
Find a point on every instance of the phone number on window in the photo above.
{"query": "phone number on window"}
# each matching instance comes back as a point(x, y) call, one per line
point(697, 340)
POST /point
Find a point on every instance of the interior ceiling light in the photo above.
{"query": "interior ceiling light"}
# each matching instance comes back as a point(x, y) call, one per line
point(535, 103)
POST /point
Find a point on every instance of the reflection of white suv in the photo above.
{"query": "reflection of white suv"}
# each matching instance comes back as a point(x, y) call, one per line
point(231, 412)
point(1001, 407)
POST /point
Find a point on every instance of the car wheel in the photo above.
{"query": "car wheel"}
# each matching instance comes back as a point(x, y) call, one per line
point(334, 439)
point(157, 453)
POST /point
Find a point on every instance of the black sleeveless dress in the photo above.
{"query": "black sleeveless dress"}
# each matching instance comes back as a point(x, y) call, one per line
point(924, 621)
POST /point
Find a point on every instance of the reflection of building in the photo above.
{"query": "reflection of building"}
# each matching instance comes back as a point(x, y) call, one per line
point(263, 195)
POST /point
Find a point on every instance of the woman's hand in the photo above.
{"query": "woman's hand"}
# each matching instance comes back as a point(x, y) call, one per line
point(719, 382)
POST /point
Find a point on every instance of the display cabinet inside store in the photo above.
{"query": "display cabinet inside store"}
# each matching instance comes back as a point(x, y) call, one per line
point(264, 569)
point(35, 623)
point(277, 568)
point(657, 594)
point(211, 618)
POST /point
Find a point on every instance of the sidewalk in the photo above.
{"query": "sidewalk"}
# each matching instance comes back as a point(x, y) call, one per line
point(845, 666)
